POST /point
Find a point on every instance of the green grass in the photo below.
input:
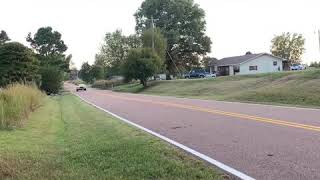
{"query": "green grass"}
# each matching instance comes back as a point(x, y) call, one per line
point(294, 88)
point(68, 139)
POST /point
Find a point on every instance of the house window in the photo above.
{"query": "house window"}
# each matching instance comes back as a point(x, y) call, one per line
point(253, 68)
point(275, 63)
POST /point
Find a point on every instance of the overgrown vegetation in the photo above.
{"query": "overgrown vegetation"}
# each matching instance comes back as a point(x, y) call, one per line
point(68, 139)
point(45, 64)
point(295, 88)
point(16, 103)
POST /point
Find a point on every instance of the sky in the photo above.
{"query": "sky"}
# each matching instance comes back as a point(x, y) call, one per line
point(234, 26)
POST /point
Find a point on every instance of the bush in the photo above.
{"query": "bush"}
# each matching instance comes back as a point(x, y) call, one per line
point(77, 82)
point(17, 64)
point(51, 79)
point(106, 84)
point(16, 103)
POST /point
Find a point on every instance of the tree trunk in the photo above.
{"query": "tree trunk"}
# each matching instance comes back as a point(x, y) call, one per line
point(143, 82)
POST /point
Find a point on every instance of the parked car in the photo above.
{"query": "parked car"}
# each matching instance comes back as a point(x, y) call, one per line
point(297, 67)
point(210, 75)
point(81, 87)
point(197, 73)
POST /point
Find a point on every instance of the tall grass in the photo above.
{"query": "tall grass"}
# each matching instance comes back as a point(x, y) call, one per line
point(16, 103)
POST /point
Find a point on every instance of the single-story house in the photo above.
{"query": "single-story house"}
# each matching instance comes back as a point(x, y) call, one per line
point(247, 64)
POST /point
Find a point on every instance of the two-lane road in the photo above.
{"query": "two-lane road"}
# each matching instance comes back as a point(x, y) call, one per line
point(265, 142)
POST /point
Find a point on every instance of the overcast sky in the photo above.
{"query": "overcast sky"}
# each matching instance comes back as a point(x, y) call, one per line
point(235, 26)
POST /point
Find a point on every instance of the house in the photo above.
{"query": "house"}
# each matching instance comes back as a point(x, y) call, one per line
point(247, 64)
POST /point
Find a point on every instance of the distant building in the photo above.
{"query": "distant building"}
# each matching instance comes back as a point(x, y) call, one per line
point(247, 64)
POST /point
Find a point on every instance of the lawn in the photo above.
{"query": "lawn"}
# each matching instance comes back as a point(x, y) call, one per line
point(294, 88)
point(68, 139)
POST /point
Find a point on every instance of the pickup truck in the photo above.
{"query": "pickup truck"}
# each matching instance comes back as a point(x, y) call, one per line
point(198, 73)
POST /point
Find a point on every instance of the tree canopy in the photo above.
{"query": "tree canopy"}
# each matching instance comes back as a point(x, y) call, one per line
point(17, 64)
point(4, 37)
point(50, 48)
point(141, 64)
point(154, 36)
point(85, 72)
point(288, 46)
point(114, 51)
point(47, 42)
point(183, 25)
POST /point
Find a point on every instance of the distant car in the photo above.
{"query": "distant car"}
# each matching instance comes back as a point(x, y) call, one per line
point(81, 87)
point(210, 75)
point(197, 73)
point(297, 67)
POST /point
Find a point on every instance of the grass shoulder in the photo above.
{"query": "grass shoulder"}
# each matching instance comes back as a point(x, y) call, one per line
point(300, 88)
point(68, 139)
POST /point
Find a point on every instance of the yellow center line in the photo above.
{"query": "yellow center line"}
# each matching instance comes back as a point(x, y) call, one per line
point(219, 112)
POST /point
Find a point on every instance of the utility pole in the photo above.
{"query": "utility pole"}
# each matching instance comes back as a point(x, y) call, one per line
point(152, 21)
point(319, 39)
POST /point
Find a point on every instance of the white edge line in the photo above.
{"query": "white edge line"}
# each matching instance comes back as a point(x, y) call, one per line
point(216, 163)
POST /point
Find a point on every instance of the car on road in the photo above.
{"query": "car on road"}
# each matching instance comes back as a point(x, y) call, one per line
point(81, 87)
point(197, 73)
point(297, 67)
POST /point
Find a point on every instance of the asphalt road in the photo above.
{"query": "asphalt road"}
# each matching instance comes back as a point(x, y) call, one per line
point(264, 142)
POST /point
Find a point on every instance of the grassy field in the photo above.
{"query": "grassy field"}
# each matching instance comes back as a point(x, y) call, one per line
point(68, 139)
point(294, 88)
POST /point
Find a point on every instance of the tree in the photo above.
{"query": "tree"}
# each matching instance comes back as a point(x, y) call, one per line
point(50, 48)
point(183, 24)
point(205, 62)
point(154, 36)
point(85, 72)
point(141, 64)
point(17, 64)
point(3, 37)
point(97, 72)
point(47, 42)
point(52, 78)
point(114, 51)
point(288, 46)
point(315, 64)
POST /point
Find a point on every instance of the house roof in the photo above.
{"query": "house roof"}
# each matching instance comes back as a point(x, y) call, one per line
point(236, 60)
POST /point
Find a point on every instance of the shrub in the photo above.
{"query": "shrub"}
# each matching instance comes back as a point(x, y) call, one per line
point(17, 64)
point(77, 82)
point(16, 103)
point(106, 84)
point(51, 79)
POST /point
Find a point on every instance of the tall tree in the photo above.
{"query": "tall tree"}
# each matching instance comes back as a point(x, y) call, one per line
point(17, 64)
point(50, 48)
point(47, 42)
point(288, 46)
point(3, 37)
point(183, 25)
point(97, 72)
point(85, 72)
point(115, 49)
